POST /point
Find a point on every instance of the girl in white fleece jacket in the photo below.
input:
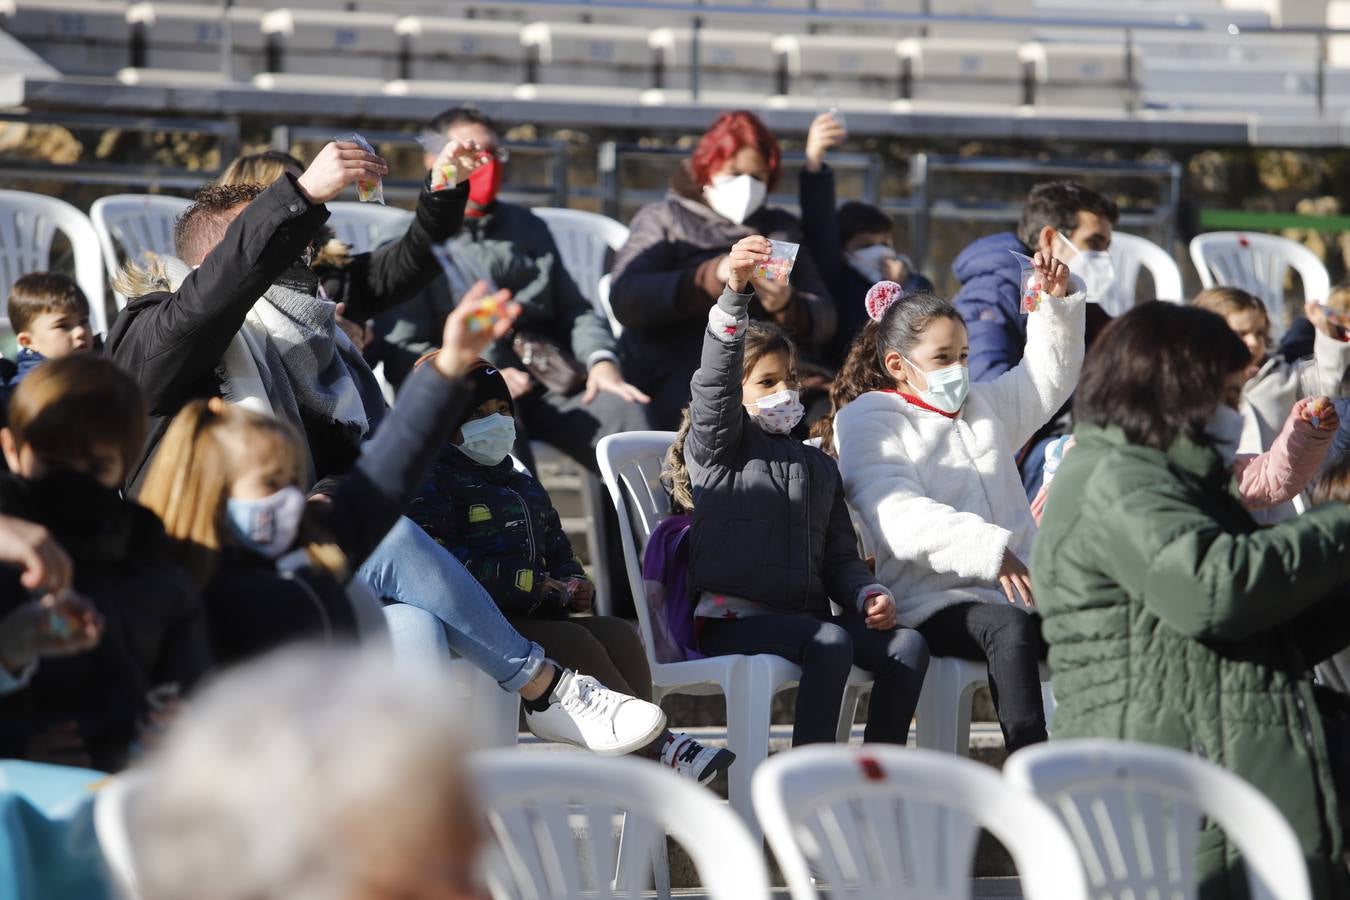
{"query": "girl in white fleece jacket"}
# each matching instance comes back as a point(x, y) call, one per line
point(928, 465)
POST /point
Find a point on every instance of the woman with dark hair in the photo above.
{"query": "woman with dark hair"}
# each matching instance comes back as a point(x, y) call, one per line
point(1172, 617)
point(673, 268)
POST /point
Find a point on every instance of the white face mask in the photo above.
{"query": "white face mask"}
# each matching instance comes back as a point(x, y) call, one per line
point(1224, 430)
point(777, 413)
point(947, 387)
point(268, 526)
point(868, 261)
point(736, 197)
point(488, 440)
point(1099, 278)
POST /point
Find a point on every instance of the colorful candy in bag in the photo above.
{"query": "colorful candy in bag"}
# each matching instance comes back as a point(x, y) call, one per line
point(366, 191)
point(458, 168)
point(1030, 283)
point(485, 313)
point(778, 267)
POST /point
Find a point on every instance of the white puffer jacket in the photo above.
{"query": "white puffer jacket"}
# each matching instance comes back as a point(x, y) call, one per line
point(940, 498)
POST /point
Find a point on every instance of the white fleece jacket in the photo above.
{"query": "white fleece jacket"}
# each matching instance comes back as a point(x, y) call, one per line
point(940, 498)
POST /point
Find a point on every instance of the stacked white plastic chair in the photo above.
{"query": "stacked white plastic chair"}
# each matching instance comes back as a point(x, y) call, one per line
point(1258, 263)
point(585, 242)
point(631, 467)
point(570, 825)
point(885, 823)
point(137, 225)
point(1129, 254)
point(1134, 811)
point(28, 226)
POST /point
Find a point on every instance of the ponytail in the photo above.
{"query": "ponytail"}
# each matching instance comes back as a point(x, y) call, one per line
point(860, 374)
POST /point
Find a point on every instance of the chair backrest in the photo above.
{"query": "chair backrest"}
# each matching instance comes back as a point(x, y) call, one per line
point(1130, 253)
point(112, 805)
point(28, 225)
point(536, 801)
point(585, 241)
point(129, 226)
point(1257, 263)
point(880, 821)
point(630, 465)
point(1134, 811)
point(359, 224)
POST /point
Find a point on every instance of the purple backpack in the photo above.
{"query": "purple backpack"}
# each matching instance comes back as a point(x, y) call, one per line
point(665, 570)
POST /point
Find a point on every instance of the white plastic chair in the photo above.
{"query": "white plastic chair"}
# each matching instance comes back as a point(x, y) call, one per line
point(943, 714)
point(418, 639)
point(1257, 263)
point(359, 224)
point(111, 809)
point(585, 241)
point(885, 823)
point(631, 467)
point(1129, 254)
point(535, 804)
point(135, 224)
point(28, 224)
point(607, 308)
point(1134, 811)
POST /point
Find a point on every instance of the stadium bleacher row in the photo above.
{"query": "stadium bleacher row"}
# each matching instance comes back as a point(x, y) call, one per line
point(1202, 55)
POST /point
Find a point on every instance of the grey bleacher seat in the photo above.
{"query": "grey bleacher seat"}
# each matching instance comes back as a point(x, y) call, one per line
point(1285, 13)
point(1338, 48)
point(1183, 76)
point(282, 82)
point(188, 36)
point(978, 8)
point(738, 61)
point(331, 42)
point(732, 20)
point(871, 27)
point(172, 78)
point(712, 99)
point(564, 93)
point(837, 65)
point(444, 49)
point(953, 69)
point(586, 54)
point(462, 91)
point(78, 37)
point(1078, 74)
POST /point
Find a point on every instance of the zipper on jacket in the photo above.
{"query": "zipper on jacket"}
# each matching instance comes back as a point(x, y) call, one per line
point(529, 526)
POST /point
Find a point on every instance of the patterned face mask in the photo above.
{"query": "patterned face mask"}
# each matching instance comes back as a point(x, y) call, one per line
point(777, 413)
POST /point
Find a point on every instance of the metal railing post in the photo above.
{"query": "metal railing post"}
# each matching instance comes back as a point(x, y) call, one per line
point(226, 41)
point(1321, 74)
point(607, 164)
point(923, 208)
point(695, 63)
point(1132, 102)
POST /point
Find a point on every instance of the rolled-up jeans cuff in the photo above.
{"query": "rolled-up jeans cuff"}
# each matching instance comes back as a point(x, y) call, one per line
point(534, 662)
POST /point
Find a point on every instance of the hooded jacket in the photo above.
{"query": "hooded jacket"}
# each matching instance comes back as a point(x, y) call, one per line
point(665, 282)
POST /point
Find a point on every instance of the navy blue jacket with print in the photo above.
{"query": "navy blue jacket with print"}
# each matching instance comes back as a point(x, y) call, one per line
point(500, 523)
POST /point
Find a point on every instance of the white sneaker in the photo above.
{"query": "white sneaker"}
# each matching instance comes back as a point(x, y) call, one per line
point(693, 760)
point(584, 712)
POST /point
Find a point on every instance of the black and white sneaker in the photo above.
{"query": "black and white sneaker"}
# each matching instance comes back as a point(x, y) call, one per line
point(695, 761)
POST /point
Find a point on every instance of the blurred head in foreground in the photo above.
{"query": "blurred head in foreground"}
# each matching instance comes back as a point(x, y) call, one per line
point(313, 774)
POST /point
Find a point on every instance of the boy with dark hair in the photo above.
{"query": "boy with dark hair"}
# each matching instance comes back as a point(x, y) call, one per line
point(50, 315)
point(990, 296)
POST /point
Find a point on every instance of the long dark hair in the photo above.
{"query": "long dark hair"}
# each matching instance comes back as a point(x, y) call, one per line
point(1158, 372)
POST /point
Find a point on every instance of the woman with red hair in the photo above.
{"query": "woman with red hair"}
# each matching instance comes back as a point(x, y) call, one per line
point(674, 265)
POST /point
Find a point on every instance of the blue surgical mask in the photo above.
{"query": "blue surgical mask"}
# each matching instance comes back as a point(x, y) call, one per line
point(488, 440)
point(947, 387)
point(1224, 431)
point(268, 526)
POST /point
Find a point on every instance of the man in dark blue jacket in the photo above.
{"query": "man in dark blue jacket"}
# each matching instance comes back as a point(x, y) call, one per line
point(990, 296)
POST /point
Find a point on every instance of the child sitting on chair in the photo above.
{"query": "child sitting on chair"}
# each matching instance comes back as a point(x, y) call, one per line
point(500, 523)
point(50, 315)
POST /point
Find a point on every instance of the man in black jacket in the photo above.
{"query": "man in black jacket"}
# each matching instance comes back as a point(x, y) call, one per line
point(513, 248)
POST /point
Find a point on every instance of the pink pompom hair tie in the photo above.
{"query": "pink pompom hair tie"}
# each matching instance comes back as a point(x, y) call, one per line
point(880, 297)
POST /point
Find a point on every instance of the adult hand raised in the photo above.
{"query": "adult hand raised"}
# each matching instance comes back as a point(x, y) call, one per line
point(825, 133)
point(478, 321)
point(339, 164)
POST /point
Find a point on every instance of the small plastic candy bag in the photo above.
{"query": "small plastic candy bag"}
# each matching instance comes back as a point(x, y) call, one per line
point(838, 117)
point(457, 169)
point(485, 313)
point(1030, 283)
point(778, 267)
point(366, 191)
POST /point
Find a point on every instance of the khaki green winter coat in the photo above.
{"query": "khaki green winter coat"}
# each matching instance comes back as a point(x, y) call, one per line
point(1174, 619)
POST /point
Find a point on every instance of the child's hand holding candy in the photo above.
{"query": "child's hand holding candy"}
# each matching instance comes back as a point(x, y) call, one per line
point(1319, 412)
point(748, 253)
point(1052, 274)
point(478, 320)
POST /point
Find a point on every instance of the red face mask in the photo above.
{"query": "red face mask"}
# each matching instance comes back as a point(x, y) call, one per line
point(484, 185)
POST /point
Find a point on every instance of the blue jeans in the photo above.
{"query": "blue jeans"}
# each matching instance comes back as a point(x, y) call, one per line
point(411, 568)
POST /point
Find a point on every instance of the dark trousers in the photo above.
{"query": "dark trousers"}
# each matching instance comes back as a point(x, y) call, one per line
point(576, 428)
point(827, 649)
point(606, 648)
point(1010, 641)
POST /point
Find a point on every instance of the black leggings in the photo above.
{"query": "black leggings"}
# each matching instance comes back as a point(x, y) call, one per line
point(827, 649)
point(1010, 641)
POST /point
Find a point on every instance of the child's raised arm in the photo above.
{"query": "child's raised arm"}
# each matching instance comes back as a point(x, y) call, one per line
point(1282, 472)
point(715, 408)
point(1029, 394)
